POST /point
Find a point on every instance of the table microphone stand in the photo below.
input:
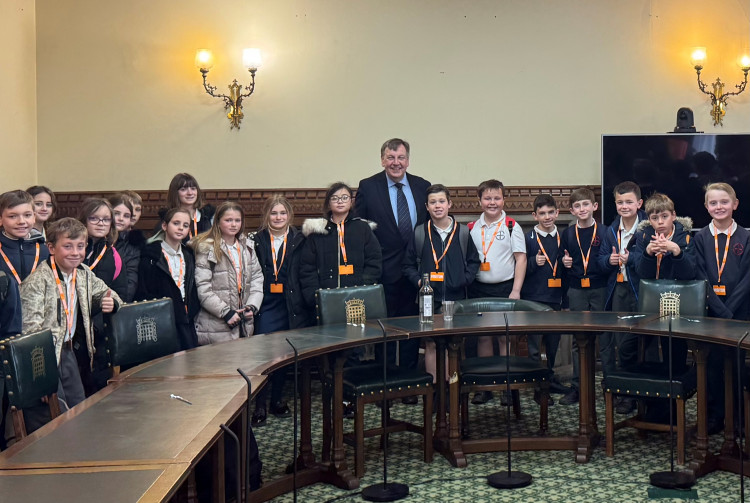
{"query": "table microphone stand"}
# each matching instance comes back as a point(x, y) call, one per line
point(671, 479)
point(385, 491)
point(740, 415)
point(508, 479)
point(294, 455)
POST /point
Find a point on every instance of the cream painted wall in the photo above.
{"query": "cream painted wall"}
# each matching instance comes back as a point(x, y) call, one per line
point(17, 95)
point(519, 89)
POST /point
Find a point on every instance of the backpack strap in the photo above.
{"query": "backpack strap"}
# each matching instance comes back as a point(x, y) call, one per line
point(118, 263)
point(510, 223)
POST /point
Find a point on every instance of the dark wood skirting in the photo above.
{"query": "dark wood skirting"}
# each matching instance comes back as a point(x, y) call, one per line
point(309, 202)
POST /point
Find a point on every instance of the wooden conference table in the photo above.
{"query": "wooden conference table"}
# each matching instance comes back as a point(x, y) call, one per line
point(132, 435)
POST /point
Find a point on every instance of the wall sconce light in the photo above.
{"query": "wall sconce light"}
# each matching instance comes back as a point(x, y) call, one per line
point(718, 96)
point(204, 60)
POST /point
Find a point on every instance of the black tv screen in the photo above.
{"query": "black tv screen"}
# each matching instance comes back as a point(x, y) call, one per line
point(679, 165)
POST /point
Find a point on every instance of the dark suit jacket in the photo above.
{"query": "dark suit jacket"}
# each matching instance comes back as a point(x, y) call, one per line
point(374, 203)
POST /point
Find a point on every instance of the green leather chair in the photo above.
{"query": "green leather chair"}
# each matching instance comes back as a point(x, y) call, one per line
point(30, 366)
point(140, 332)
point(651, 379)
point(488, 373)
point(363, 384)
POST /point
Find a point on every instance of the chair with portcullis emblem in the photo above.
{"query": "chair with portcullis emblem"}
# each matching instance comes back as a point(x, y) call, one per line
point(363, 384)
point(140, 332)
point(30, 368)
point(650, 380)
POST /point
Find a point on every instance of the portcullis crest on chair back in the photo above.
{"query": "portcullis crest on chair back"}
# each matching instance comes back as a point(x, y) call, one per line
point(356, 313)
point(669, 304)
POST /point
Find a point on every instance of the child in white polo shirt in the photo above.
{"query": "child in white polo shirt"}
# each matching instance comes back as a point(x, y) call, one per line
point(502, 251)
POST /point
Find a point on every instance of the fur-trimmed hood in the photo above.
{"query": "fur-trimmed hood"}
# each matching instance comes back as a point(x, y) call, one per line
point(686, 222)
point(320, 225)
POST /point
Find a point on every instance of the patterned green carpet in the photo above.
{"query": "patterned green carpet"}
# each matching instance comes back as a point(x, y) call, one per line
point(556, 475)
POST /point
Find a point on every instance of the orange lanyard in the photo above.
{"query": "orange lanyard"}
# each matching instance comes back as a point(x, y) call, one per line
point(195, 225)
point(237, 267)
point(659, 256)
point(588, 253)
point(182, 268)
point(283, 255)
point(726, 250)
point(340, 227)
point(487, 250)
point(450, 239)
point(13, 269)
point(69, 314)
point(541, 247)
point(98, 258)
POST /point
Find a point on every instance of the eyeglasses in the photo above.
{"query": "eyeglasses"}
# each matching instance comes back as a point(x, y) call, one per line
point(343, 199)
point(97, 220)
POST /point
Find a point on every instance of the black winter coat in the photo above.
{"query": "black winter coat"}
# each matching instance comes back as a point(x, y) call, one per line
point(299, 313)
point(155, 281)
point(105, 269)
point(321, 256)
point(129, 246)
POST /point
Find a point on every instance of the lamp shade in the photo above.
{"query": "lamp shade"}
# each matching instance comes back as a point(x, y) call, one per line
point(204, 59)
point(744, 62)
point(251, 59)
point(698, 56)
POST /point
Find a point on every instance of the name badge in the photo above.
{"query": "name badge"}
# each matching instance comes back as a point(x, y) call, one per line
point(484, 266)
point(554, 283)
point(277, 288)
point(620, 277)
point(720, 289)
point(437, 276)
point(345, 270)
point(585, 283)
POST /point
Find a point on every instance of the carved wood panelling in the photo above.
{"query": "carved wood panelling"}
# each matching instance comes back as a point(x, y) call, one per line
point(309, 202)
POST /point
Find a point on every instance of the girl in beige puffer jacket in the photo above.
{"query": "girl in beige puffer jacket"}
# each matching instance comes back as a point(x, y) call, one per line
point(228, 276)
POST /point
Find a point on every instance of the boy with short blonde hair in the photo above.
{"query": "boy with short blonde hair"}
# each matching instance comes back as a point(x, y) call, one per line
point(722, 259)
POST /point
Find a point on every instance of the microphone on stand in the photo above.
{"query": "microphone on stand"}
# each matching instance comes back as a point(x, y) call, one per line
point(672, 479)
point(508, 479)
point(385, 491)
point(294, 455)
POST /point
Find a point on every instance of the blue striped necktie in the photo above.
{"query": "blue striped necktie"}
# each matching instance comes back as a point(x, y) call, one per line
point(405, 226)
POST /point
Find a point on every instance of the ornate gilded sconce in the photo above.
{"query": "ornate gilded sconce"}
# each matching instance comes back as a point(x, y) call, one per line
point(204, 60)
point(718, 96)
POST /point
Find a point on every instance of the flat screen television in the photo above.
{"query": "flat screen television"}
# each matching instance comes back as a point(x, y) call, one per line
point(679, 165)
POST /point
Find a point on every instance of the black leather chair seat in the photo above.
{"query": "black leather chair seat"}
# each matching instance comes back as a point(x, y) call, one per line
point(367, 380)
point(651, 380)
point(491, 370)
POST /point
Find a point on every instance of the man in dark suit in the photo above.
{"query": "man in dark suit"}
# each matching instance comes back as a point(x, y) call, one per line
point(395, 200)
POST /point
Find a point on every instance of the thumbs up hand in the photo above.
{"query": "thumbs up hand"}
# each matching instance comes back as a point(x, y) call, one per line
point(540, 258)
point(108, 303)
point(567, 260)
point(614, 258)
point(624, 256)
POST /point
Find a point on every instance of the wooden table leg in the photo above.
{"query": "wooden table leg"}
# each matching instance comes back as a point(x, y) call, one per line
point(703, 461)
point(217, 468)
point(730, 446)
point(588, 434)
point(441, 426)
point(306, 458)
point(448, 436)
point(341, 475)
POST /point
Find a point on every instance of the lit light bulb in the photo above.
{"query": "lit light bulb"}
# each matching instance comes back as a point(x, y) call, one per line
point(698, 57)
point(204, 59)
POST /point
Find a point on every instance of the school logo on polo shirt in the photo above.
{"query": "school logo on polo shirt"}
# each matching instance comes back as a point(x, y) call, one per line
point(596, 241)
point(738, 249)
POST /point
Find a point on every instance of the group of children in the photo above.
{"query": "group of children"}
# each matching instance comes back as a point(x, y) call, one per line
point(225, 284)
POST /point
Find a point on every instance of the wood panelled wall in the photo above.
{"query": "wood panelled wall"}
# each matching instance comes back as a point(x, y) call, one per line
point(309, 202)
